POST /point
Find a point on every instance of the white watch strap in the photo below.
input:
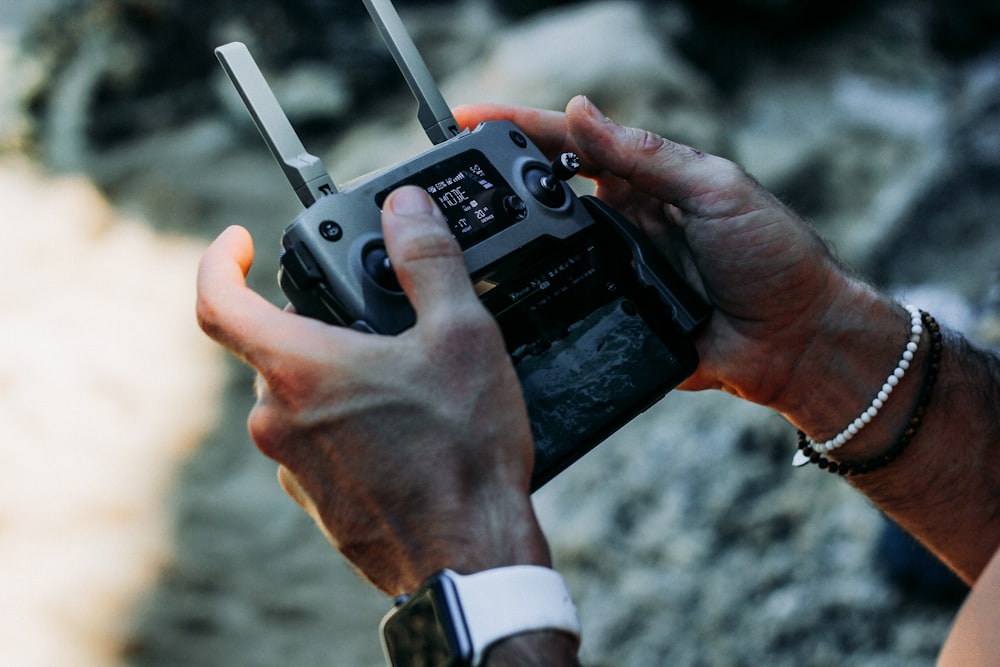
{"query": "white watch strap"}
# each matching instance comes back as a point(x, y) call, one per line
point(512, 600)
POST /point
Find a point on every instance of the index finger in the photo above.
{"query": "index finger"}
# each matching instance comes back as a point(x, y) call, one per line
point(547, 129)
point(671, 172)
point(240, 319)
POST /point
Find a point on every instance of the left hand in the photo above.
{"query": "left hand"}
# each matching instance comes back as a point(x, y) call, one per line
point(774, 286)
point(412, 452)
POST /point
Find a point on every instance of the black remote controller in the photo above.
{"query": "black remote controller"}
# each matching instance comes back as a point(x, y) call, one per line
point(598, 324)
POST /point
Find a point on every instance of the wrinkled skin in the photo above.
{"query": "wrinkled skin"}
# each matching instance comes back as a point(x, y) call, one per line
point(400, 447)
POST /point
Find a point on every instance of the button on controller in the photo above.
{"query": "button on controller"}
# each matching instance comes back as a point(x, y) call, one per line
point(331, 231)
point(515, 207)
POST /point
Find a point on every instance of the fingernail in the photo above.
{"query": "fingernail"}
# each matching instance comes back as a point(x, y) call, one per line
point(410, 200)
point(592, 109)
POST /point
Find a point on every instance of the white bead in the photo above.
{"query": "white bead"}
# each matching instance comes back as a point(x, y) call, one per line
point(904, 364)
point(892, 380)
point(878, 403)
point(865, 417)
point(872, 412)
point(883, 396)
point(899, 373)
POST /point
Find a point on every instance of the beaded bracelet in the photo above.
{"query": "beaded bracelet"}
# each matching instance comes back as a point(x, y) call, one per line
point(807, 454)
point(842, 438)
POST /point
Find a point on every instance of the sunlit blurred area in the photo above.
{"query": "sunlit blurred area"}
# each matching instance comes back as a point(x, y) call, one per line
point(106, 387)
point(139, 525)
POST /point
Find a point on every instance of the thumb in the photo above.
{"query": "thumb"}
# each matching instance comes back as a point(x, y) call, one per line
point(428, 261)
point(669, 171)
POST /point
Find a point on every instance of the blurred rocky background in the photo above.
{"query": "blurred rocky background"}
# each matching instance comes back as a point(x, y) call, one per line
point(145, 530)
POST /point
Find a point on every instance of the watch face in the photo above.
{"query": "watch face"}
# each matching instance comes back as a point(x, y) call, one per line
point(419, 634)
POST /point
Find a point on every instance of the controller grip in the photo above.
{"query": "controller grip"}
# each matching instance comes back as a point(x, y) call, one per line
point(376, 304)
point(653, 269)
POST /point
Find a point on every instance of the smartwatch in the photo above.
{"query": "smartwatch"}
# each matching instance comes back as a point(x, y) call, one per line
point(452, 619)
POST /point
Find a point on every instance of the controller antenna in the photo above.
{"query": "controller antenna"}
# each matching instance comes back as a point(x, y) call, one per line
point(433, 112)
point(305, 172)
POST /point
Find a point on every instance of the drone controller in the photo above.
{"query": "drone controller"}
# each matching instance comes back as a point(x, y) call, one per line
point(597, 323)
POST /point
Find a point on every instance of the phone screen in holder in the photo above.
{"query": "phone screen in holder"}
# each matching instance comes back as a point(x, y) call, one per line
point(592, 347)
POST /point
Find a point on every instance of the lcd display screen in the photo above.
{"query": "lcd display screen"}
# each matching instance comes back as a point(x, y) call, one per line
point(474, 197)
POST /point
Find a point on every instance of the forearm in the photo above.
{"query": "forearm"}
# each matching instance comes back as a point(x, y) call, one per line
point(945, 487)
point(947, 492)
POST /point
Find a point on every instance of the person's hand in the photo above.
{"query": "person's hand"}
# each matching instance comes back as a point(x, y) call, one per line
point(412, 452)
point(773, 283)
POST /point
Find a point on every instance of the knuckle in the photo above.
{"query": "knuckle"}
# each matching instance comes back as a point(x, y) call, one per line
point(265, 430)
point(467, 329)
point(433, 246)
point(207, 315)
point(280, 416)
point(288, 389)
point(647, 142)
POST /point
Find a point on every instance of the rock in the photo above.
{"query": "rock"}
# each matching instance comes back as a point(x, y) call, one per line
point(646, 85)
point(120, 71)
point(945, 233)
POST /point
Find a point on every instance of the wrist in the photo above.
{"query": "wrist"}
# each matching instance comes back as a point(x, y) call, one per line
point(535, 649)
point(507, 533)
point(859, 341)
point(474, 535)
point(496, 617)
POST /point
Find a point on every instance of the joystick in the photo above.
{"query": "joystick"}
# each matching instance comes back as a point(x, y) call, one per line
point(379, 268)
point(546, 183)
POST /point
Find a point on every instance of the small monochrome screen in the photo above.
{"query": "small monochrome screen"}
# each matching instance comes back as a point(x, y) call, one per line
point(469, 191)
